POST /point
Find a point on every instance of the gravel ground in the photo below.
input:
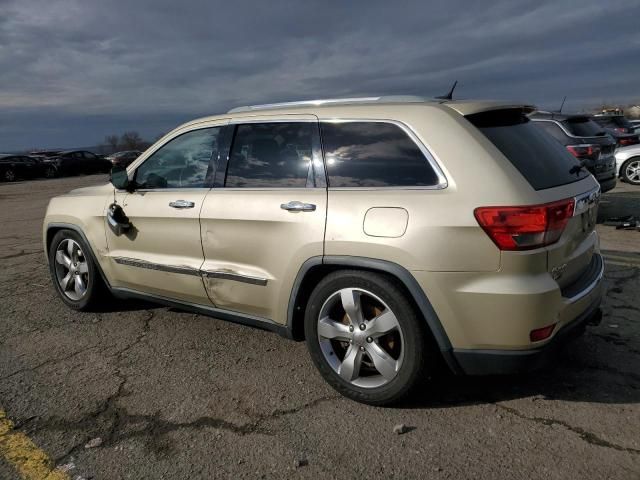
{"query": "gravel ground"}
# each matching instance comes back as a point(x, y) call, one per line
point(140, 391)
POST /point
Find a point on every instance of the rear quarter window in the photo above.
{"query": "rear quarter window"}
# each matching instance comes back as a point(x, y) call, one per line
point(373, 154)
point(539, 157)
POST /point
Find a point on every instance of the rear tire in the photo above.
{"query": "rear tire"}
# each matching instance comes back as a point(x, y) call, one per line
point(74, 273)
point(50, 172)
point(630, 171)
point(9, 175)
point(378, 353)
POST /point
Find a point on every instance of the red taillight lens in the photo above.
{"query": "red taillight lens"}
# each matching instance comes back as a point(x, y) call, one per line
point(525, 228)
point(620, 130)
point(582, 151)
point(628, 141)
point(541, 333)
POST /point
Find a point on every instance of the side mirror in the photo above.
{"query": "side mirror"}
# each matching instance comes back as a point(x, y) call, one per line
point(118, 177)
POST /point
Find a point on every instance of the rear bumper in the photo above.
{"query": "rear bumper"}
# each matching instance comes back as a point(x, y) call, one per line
point(607, 184)
point(502, 362)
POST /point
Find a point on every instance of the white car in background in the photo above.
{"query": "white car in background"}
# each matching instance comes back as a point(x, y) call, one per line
point(628, 164)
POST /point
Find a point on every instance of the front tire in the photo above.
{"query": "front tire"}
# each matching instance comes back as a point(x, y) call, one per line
point(9, 175)
point(630, 171)
point(366, 338)
point(74, 273)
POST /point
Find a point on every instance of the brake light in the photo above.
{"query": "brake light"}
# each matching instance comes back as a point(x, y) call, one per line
point(628, 141)
point(526, 227)
point(620, 129)
point(582, 151)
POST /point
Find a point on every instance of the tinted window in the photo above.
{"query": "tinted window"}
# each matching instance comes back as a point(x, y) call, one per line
point(373, 154)
point(606, 122)
point(551, 128)
point(273, 155)
point(537, 155)
point(583, 127)
point(184, 162)
point(89, 156)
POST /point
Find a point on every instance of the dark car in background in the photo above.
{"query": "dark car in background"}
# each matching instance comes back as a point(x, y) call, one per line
point(124, 158)
point(74, 162)
point(619, 127)
point(585, 140)
point(15, 167)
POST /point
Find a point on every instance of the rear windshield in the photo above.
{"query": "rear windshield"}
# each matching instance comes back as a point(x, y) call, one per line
point(539, 157)
point(583, 127)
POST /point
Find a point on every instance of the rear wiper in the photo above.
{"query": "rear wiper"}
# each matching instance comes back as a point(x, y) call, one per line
point(576, 168)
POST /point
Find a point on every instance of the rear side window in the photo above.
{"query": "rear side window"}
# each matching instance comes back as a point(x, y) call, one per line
point(583, 127)
point(373, 154)
point(271, 155)
point(541, 160)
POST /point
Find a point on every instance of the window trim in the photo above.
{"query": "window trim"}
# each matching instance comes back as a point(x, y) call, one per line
point(212, 163)
point(562, 127)
point(442, 184)
point(317, 174)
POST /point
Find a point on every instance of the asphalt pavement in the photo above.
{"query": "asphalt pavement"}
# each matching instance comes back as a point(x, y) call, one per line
point(141, 391)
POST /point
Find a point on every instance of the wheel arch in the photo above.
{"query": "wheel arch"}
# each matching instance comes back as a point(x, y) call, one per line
point(316, 268)
point(53, 228)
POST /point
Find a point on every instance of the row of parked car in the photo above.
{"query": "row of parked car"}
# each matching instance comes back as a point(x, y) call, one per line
point(53, 163)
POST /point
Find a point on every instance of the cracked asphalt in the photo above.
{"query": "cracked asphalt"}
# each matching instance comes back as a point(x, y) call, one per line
point(176, 395)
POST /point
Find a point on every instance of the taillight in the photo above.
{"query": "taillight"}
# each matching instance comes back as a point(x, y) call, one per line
point(628, 141)
point(526, 227)
point(585, 151)
point(621, 130)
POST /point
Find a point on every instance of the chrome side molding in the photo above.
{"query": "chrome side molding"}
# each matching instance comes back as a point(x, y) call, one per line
point(221, 274)
point(225, 275)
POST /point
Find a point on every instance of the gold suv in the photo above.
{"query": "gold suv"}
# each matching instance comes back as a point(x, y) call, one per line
point(388, 232)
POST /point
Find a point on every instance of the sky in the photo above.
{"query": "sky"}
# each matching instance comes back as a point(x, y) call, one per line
point(73, 71)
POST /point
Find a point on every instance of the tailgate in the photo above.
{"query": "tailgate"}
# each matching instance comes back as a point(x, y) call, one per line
point(572, 258)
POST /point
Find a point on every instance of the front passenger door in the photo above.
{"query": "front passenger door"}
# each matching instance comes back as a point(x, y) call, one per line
point(162, 253)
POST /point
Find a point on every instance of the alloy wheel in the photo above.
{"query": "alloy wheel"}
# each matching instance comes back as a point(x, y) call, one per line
point(9, 175)
point(72, 269)
point(360, 338)
point(632, 171)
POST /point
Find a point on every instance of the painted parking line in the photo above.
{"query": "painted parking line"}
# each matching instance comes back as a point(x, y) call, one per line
point(18, 450)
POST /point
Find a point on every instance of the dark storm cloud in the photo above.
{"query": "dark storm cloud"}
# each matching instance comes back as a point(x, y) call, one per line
point(73, 71)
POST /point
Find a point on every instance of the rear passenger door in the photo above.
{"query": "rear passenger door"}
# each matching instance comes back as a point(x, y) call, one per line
point(265, 215)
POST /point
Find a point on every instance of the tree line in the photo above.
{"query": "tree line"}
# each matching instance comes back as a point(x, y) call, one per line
point(127, 141)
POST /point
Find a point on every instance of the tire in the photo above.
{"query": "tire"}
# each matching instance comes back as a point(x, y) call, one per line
point(85, 290)
point(9, 175)
point(50, 172)
point(630, 171)
point(381, 301)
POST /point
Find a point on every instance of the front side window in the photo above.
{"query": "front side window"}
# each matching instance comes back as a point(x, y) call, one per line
point(373, 154)
point(184, 162)
point(271, 155)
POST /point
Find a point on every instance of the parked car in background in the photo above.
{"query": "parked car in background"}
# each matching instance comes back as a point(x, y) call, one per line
point(123, 158)
point(619, 127)
point(635, 124)
point(585, 140)
point(14, 167)
point(74, 162)
point(628, 164)
point(378, 245)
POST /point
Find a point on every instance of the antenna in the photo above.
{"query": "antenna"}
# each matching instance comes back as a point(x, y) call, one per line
point(449, 96)
point(562, 104)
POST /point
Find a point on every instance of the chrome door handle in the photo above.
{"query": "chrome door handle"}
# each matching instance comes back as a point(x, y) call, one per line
point(182, 204)
point(295, 206)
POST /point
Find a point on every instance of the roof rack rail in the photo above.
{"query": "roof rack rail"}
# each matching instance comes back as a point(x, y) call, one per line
point(334, 101)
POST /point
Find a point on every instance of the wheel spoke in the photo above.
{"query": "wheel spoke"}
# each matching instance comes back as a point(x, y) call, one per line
point(70, 250)
point(83, 267)
point(382, 324)
point(79, 285)
point(62, 259)
point(350, 299)
point(65, 282)
point(350, 366)
point(331, 329)
point(383, 362)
